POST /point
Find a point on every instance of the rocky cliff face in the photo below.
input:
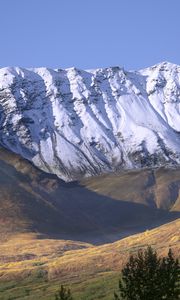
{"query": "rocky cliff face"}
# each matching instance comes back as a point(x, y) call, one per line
point(76, 123)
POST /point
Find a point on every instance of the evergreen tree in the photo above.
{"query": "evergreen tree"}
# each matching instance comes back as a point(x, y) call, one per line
point(63, 294)
point(147, 277)
point(170, 277)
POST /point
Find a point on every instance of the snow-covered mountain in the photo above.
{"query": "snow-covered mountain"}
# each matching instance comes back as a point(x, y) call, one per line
point(77, 123)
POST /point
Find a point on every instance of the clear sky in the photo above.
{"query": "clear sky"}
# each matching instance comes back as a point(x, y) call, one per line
point(89, 33)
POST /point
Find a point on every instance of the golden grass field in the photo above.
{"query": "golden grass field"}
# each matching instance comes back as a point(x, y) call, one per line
point(75, 263)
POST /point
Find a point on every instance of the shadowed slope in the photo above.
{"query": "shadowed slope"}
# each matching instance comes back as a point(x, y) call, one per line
point(97, 210)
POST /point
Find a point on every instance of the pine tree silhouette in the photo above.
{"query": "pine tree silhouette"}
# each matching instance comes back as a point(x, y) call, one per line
point(148, 277)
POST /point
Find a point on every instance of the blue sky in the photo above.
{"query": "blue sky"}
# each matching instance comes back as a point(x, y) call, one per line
point(89, 33)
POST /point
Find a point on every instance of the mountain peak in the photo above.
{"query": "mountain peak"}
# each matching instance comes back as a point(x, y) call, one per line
point(165, 65)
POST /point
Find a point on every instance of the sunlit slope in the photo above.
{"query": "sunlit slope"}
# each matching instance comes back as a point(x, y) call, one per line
point(68, 260)
point(152, 187)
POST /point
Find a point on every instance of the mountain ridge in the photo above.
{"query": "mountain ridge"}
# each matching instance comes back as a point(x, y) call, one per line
point(76, 123)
